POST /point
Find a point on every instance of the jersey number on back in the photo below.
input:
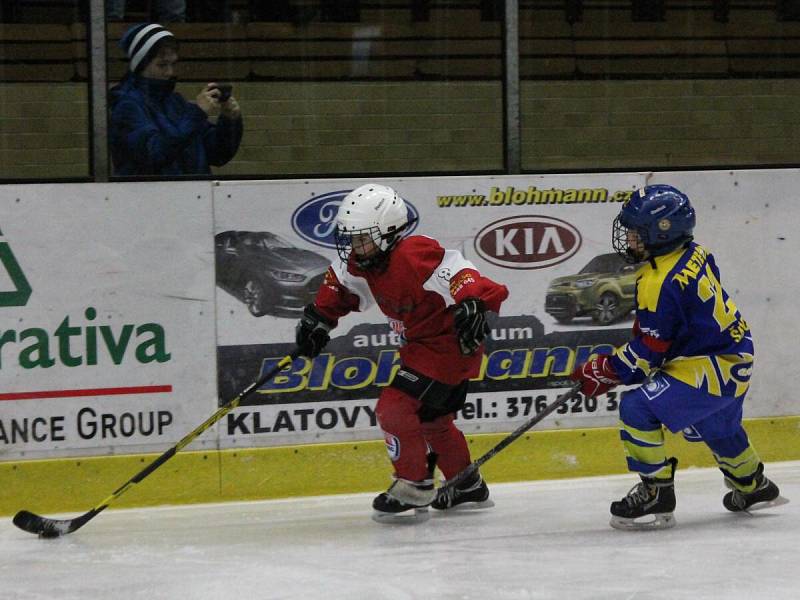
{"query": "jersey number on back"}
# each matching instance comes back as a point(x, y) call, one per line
point(708, 287)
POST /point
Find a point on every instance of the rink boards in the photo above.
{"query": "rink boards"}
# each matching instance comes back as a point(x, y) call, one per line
point(75, 485)
point(126, 321)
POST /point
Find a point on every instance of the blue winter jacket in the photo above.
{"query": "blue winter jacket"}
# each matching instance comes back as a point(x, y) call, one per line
point(154, 131)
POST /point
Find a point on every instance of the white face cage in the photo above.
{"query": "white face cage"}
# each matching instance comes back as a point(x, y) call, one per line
point(364, 244)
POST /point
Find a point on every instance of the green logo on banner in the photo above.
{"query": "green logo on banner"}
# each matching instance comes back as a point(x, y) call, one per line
point(19, 296)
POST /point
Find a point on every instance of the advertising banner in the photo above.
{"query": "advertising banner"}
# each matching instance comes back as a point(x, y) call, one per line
point(106, 317)
point(129, 312)
point(547, 238)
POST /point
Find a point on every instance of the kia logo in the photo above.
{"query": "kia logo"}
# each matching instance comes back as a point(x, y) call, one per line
point(315, 219)
point(527, 242)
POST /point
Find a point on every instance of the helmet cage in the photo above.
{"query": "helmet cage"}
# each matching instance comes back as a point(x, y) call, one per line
point(368, 247)
point(621, 245)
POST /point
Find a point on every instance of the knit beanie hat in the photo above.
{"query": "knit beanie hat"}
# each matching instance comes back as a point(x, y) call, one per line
point(140, 43)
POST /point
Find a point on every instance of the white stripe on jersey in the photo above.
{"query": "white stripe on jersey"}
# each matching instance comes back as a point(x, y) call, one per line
point(355, 285)
point(439, 281)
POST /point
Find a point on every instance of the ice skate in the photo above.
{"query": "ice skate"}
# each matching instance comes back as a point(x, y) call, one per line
point(470, 494)
point(765, 495)
point(404, 502)
point(649, 504)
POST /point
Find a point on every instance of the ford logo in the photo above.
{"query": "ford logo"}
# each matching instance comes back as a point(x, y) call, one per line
point(527, 242)
point(315, 219)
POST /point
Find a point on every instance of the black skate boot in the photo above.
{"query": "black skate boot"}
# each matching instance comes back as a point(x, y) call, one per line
point(404, 502)
point(651, 498)
point(765, 491)
point(471, 493)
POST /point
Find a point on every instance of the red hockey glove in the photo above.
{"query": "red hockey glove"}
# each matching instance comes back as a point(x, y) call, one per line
point(596, 376)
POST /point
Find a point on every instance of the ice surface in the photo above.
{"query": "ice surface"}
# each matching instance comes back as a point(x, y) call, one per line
point(548, 539)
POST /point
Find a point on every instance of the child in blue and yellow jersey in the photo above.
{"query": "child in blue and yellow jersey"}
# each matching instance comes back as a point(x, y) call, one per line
point(693, 354)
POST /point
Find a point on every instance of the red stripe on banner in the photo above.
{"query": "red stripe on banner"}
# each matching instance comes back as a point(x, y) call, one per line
point(116, 391)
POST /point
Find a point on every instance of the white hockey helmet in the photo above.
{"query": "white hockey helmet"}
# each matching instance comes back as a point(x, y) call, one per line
point(370, 219)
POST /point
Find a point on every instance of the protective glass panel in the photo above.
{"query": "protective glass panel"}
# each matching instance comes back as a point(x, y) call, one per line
point(323, 88)
point(658, 84)
point(44, 108)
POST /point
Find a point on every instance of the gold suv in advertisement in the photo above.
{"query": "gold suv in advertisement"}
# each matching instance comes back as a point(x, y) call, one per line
point(603, 289)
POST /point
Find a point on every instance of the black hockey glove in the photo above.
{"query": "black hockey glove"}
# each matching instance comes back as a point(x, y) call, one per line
point(311, 333)
point(471, 325)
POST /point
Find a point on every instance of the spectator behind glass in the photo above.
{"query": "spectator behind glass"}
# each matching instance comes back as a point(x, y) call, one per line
point(166, 11)
point(154, 130)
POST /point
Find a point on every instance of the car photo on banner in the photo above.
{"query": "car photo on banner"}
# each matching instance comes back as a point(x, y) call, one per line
point(603, 290)
point(267, 273)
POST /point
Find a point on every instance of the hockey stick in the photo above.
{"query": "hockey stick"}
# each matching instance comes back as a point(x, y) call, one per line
point(476, 464)
point(51, 528)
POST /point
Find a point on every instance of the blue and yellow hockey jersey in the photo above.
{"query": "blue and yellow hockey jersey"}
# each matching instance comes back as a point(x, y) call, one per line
point(687, 326)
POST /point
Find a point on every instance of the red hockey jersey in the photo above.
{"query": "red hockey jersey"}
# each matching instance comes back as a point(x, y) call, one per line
point(417, 291)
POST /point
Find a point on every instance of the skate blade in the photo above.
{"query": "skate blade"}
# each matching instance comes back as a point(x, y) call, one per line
point(466, 507)
point(653, 522)
point(779, 501)
point(408, 517)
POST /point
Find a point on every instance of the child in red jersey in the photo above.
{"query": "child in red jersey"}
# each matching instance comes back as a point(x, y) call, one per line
point(438, 300)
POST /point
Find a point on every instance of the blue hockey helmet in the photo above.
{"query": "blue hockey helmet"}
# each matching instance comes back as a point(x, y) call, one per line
point(661, 215)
